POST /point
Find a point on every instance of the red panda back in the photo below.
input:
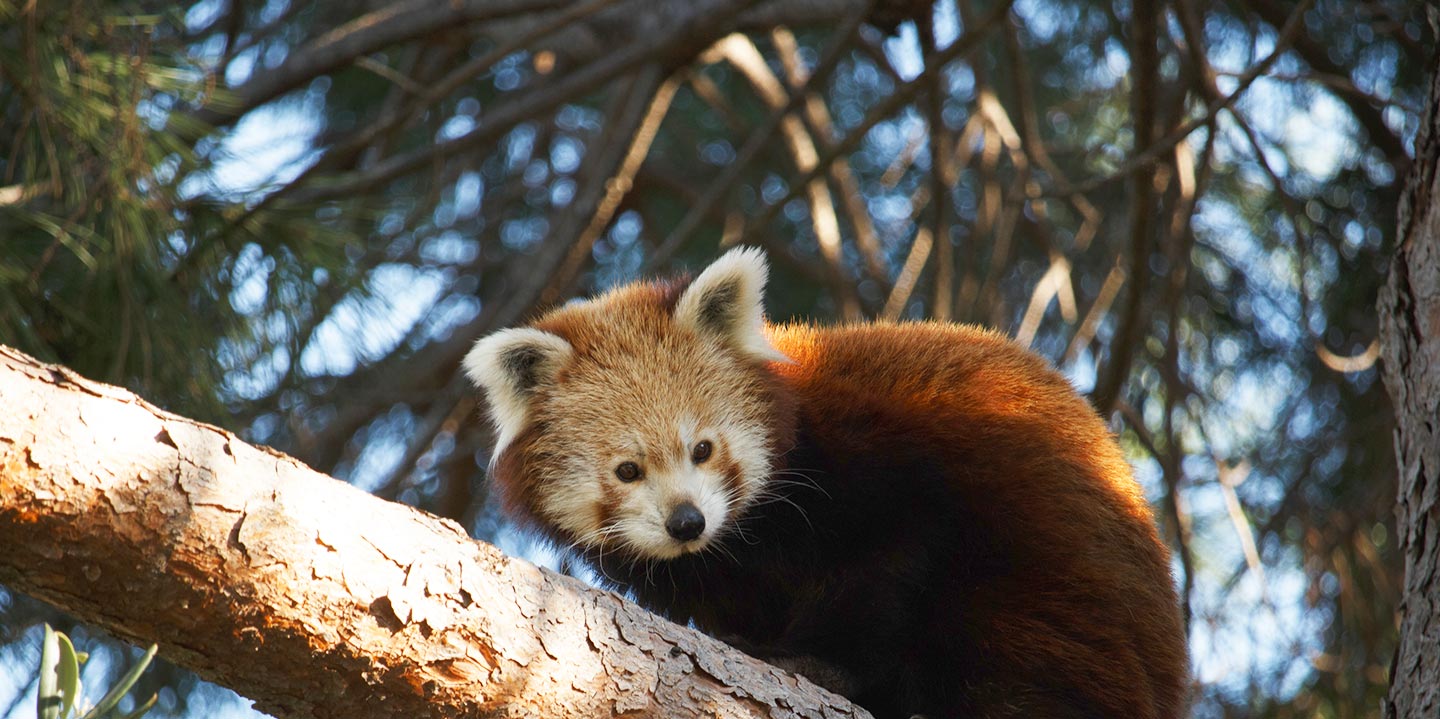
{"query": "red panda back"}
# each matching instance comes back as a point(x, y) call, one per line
point(1092, 596)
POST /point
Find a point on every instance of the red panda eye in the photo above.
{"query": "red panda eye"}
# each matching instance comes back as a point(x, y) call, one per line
point(628, 472)
point(701, 452)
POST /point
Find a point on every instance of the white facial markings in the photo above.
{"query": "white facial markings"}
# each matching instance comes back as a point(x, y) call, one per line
point(710, 498)
point(572, 502)
point(584, 497)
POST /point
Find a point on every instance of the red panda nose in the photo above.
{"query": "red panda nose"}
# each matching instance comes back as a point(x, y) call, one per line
point(685, 522)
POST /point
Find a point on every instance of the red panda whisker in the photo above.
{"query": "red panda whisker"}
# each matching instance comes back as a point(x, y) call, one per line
point(771, 497)
point(807, 483)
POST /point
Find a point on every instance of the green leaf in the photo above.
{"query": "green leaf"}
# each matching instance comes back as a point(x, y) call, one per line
point(47, 698)
point(113, 696)
point(68, 673)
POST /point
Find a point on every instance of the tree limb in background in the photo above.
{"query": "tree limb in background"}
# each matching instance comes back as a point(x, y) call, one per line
point(703, 23)
point(941, 174)
point(313, 598)
point(1159, 148)
point(740, 52)
point(368, 33)
point(1144, 68)
point(1317, 56)
point(628, 136)
point(718, 189)
point(880, 112)
point(909, 275)
point(822, 127)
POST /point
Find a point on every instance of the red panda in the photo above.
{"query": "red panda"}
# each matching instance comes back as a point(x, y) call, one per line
point(925, 517)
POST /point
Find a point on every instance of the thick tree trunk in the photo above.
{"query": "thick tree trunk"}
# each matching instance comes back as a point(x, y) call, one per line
point(1410, 347)
point(313, 598)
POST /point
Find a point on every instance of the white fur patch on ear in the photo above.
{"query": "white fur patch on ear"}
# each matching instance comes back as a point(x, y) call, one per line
point(727, 299)
point(509, 365)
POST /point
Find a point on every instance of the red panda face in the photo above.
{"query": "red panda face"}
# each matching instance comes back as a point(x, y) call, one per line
point(639, 421)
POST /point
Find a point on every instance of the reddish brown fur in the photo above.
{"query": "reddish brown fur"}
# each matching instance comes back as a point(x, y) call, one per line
point(974, 544)
point(1091, 597)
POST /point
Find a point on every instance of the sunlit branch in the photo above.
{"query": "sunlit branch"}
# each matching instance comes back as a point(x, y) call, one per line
point(720, 187)
point(909, 275)
point(883, 110)
point(1230, 478)
point(818, 120)
point(741, 52)
point(902, 162)
point(645, 126)
point(1053, 285)
point(997, 215)
point(1352, 363)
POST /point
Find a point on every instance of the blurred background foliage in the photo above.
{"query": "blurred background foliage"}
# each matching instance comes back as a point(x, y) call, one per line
point(292, 220)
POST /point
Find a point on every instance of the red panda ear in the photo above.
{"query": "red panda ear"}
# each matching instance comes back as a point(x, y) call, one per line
point(727, 299)
point(509, 365)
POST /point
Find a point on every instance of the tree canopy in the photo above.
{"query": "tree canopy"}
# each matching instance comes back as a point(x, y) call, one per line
point(293, 219)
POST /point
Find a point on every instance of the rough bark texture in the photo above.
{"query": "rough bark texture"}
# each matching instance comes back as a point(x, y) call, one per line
point(1410, 346)
point(314, 598)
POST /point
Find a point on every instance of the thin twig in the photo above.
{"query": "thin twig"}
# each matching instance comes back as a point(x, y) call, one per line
point(1055, 283)
point(1230, 478)
point(1157, 149)
point(491, 126)
point(742, 53)
point(652, 99)
point(883, 110)
point(1144, 65)
point(909, 275)
point(759, 138)
point(1098, 309)
point(375, 30)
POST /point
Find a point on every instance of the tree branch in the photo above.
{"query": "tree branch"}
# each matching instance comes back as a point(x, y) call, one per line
point(1409, 308)
point(704, 22)
point(1317, 56)
point(314, 598)
point(719, 188)
point(882, 110)
point(1144, 65)
point(368, 33)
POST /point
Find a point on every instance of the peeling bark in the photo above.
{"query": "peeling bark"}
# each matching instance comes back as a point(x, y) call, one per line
point(314, 598)
point(1410, 346)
